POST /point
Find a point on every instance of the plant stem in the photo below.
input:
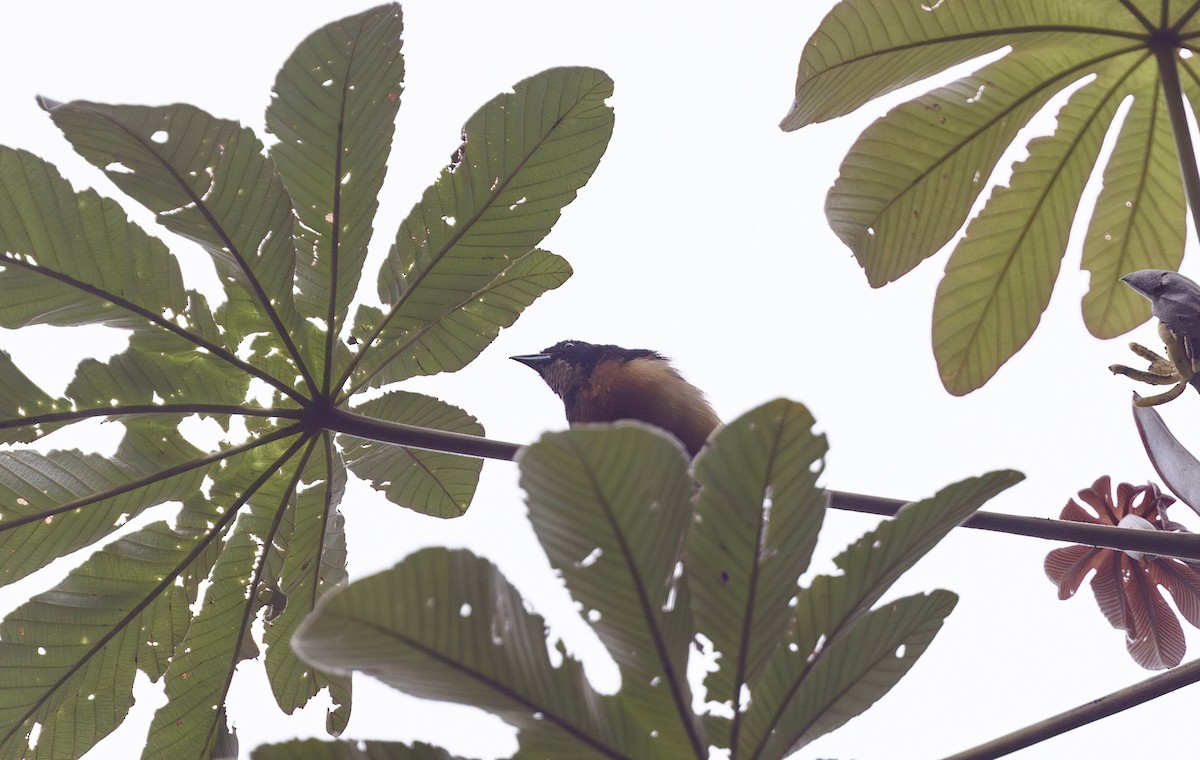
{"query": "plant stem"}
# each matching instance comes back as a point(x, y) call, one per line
point(1184, 546)
point(348, 422)
point(1131, 696)
point(1165, 52)
point(1161, 543)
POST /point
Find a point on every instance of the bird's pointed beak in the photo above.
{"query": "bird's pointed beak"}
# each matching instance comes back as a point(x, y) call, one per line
point(1130, 280)
point(533, 361)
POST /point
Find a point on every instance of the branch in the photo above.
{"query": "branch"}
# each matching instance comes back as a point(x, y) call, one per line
point(1131, 696)
point(348, 422)
point(1181, 545)
point(1166, 53)
point(1184, 546)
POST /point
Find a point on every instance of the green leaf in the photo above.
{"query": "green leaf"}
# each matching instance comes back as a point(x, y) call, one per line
point(610, 507)
point(311, 528)
point(25, 409)
point(431, 482)
point(71, 653)
point(912, 178)
point(332, 158)
point(208, 180)
point(1000, 277)
point(758, 515)
point(446, 625)
point(831, 607)
point(610, 504)
point(895, 208)
point(74, 258)
point(524, 156)
point(312, 749)
point(867, 48)
point(219, 636)
point(861, 667)
point(197, 679)
point(59, 502)
point(258, 533)
point(142, 376)
point(1139, 220)
point(483, 313)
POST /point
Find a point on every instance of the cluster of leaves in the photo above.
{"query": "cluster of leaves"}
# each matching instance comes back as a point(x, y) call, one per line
point(659, 565)
point(258, 535)
point(894, 208)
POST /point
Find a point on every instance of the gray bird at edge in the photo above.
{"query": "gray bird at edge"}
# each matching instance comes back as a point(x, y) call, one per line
point(1174, 299)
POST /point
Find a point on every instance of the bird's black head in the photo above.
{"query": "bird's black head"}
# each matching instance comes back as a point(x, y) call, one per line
point(568, 364)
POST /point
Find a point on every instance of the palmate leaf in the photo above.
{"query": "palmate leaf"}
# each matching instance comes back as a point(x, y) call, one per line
point(653, 563)
point(258, 532)
point(896, 206)
point(219, 635)
point(860, 668)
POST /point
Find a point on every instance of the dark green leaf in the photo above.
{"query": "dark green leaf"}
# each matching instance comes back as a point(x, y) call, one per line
point(334, 111)
point(312, 749)
point(431, 482)
point(831, 607)
point(74, 258)
point(71, 653)
point(758, 515)
point(258, 532)
point(610, 507)
point(59, 502)
point(860, 668)
point(207, 179)
point(24, 406)
point(307, 561)
point(525, 155)
point(219, 636)
point(446, 625)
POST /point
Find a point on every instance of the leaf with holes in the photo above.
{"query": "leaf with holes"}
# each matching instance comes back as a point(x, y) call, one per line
point(896, 207)
point(273, 359)
point(656, 563)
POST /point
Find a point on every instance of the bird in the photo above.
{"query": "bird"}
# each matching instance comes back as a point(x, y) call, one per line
point(1174, 299)
point(606, 383)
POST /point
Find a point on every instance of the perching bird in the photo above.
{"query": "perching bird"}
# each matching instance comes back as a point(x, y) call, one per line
point(610, 383)
point(1174, 299)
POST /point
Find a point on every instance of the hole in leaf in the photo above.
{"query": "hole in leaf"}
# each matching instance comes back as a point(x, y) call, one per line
point(591, 558)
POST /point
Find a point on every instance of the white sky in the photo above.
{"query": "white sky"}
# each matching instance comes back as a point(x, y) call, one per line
point(701, 235)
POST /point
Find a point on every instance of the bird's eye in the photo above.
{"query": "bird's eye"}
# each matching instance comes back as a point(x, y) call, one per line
point(568, 345)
